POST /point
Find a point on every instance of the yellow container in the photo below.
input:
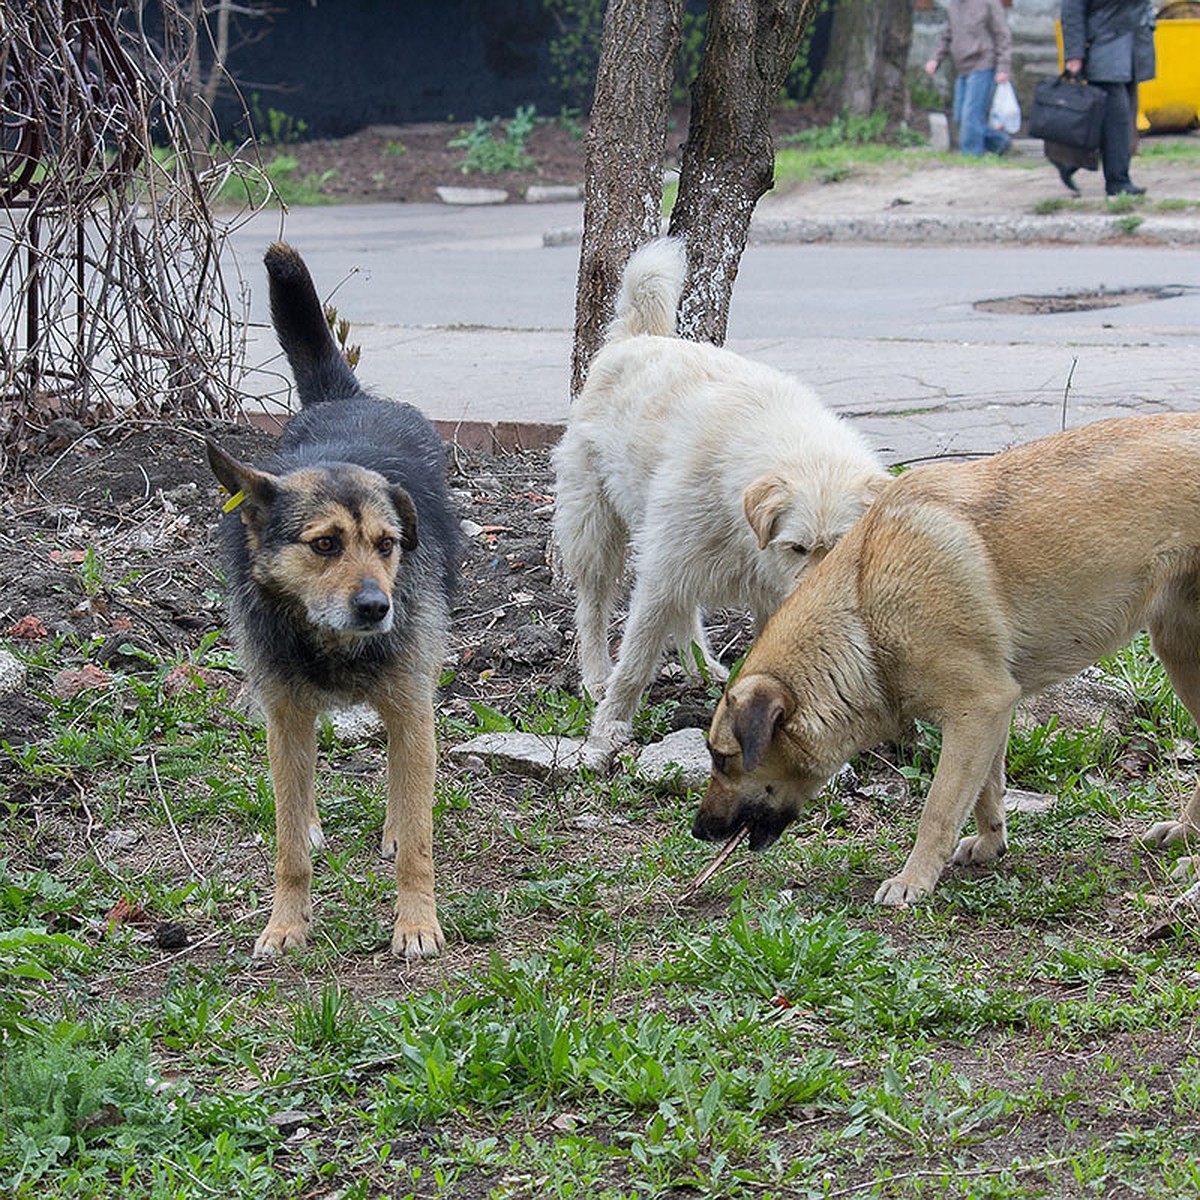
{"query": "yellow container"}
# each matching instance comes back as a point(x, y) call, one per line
point(1171, 100)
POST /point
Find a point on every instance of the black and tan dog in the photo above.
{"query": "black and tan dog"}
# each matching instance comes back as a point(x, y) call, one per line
point(341, 558)
point(964, 588)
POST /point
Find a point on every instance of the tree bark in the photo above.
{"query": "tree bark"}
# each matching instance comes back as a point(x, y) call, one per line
point(624, 155)
point(867, 65)
point(729, 159)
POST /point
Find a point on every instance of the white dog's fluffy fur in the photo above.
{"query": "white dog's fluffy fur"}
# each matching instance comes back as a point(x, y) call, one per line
point(726, 478)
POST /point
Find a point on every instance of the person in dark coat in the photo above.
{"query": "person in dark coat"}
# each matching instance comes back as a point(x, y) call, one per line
point(1111, 42)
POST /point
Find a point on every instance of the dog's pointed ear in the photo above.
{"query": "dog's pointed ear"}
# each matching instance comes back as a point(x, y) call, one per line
point(755, 708)
point(406, 510)
point(763, 502)
point(236, 477)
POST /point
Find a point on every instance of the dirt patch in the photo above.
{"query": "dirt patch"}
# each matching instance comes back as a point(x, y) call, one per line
point(409, 163)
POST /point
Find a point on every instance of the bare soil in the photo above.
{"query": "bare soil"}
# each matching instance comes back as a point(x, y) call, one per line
point(409, 163)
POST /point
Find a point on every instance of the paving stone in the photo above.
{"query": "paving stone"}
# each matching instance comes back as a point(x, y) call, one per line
point(535, 755)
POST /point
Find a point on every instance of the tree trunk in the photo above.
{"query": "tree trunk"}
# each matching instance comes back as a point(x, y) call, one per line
point(866, 68)
point(729, 159)
point(624, 153)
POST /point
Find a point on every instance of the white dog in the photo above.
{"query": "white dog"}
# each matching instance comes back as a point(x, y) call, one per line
point(726, 477)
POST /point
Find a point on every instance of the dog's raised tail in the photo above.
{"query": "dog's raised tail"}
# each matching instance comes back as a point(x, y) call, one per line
point(320, 370)
point(651, 285)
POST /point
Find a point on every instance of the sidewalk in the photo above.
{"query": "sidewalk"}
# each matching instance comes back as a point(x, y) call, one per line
point(1019, 201)
point(469, 313)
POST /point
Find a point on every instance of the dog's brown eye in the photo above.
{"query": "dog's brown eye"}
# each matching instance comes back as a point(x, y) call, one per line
point(799, 549)
point(326, 546)
point(386, 546)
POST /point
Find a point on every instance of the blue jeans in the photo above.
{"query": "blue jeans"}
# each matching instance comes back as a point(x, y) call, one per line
point(972, 103)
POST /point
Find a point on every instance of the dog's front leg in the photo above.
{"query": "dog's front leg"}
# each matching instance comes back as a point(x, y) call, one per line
point(408, 825)
point(971, 744)
point(1186, 828)
point(990, 839)
point(292, 752)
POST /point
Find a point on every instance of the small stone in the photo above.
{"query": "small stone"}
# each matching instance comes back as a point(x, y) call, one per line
point(171, 935)
point(1016, 800)
point(361, 723)
point(680, 761)
point(534, 645)
point(469, 195)
point(12, 673)
point(121, 839)
point(539, 193)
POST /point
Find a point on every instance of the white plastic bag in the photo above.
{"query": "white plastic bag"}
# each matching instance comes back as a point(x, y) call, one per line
point(1006, 110)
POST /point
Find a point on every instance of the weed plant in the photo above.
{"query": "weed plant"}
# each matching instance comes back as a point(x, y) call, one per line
point(489, 153)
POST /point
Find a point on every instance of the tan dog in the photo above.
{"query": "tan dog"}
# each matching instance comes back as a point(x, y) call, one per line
point(964, 588)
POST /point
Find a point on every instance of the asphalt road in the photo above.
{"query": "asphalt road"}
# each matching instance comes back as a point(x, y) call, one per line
point(467, 314)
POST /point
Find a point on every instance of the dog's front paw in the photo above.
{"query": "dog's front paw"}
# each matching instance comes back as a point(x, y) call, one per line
point(1167, 833)
point(898, 891)
point(979, 848)
point(280, 937)
point(416, 933)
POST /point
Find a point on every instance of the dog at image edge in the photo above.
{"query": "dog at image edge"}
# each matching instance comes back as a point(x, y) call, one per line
point(722, 478)
point(964, 588)
point(341, 557)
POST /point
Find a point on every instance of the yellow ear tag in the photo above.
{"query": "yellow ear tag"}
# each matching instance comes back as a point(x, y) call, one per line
point(233, 502)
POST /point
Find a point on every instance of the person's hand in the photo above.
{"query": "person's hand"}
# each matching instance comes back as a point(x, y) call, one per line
point(931, 67)
point(1074, 65)
point(1001, 76)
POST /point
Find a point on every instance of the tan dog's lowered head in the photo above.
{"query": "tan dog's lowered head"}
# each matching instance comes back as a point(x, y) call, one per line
point(793, 716)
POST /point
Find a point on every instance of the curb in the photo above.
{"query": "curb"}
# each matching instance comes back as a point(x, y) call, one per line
point(910, 228)
point(1080, 230)
point(491, 437)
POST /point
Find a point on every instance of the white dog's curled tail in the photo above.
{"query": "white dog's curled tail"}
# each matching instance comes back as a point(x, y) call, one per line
point(651, 285)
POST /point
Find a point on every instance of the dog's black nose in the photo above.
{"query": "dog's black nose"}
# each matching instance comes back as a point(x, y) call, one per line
point(371, 603)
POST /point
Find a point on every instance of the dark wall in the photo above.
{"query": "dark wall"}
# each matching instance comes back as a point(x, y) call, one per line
point(339, 65)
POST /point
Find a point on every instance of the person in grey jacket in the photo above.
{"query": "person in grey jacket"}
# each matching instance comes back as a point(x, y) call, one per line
point(1111, 42)
point(979, 45)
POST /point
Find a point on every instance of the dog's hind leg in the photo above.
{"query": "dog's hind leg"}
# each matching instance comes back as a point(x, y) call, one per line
point(652, 617)
point(594, 544)
point(1175, 637)
point(408, 824)
point(292, 752)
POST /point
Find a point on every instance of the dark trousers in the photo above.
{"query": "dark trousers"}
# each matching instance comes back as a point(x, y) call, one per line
point(1116, 138)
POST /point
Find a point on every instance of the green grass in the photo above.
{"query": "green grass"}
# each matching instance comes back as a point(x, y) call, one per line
point(279, 178)
point(586, 1034)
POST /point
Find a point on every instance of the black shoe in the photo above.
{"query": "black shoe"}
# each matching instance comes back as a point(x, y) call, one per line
point(1067, 175)
point(1126, 189)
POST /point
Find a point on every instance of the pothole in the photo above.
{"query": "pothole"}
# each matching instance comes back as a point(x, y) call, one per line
point(1077, 301)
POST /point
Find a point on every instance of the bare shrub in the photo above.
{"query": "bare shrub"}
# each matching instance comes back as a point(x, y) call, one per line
point(112, 300)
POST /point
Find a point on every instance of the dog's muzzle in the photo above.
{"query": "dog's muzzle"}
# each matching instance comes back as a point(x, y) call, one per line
point(765, 824)
point(371, 605)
